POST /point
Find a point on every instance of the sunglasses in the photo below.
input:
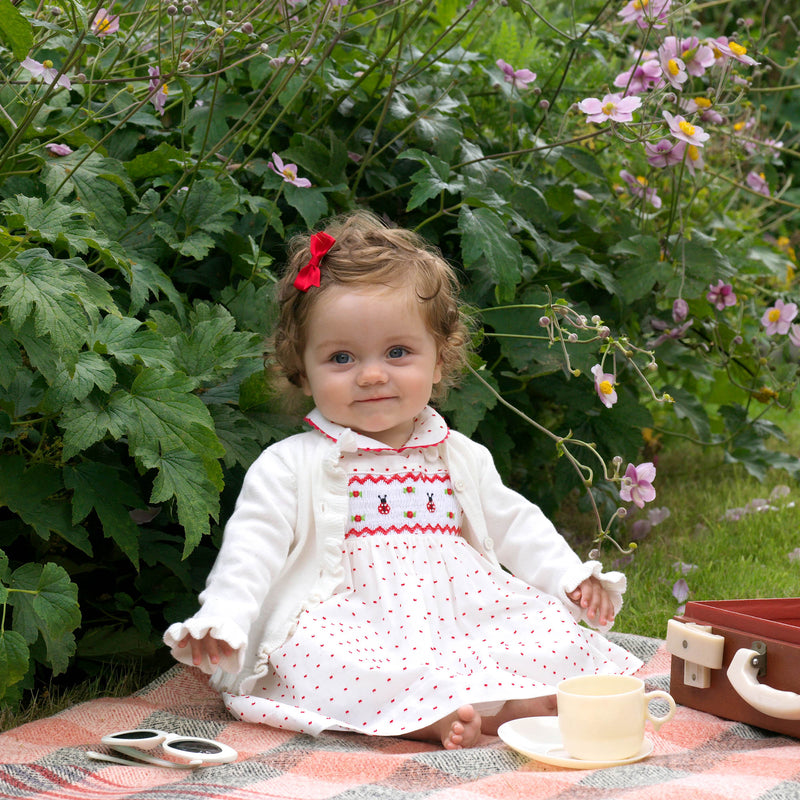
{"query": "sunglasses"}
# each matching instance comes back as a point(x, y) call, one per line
point(189, 751)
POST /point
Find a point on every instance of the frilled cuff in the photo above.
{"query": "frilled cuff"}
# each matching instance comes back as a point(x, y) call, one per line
point(614, 583)
point(221, 629)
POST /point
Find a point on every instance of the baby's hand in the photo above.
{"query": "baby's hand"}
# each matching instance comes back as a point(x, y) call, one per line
point(207, 646)
point(592, 596)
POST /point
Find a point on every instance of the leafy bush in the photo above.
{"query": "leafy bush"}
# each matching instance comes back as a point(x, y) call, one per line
point(153, 160)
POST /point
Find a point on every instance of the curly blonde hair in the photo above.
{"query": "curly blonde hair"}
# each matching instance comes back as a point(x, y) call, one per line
point(369, 253)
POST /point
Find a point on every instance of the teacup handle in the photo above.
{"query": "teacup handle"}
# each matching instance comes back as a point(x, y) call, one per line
point(659, 695)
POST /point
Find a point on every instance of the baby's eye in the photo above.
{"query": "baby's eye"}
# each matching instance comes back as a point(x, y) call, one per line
point(341, 358)
point(398, 352)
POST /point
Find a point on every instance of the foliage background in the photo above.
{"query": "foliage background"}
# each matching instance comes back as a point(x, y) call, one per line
point(136, 271)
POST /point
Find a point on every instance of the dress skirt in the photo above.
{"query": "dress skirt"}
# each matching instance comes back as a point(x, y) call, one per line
point(424, 625)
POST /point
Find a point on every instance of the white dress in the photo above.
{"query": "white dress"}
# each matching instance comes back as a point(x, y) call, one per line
point(423, 623)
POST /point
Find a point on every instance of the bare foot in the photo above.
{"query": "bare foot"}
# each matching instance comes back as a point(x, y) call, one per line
point(461, 729)
point(456, 731)
point(515, 709)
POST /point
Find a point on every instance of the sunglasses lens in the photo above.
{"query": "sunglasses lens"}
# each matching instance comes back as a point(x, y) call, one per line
point(133, 736)
point(196, 746)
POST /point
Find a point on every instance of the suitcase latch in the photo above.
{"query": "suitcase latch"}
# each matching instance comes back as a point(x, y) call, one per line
point(700, 649)
point(759, 661)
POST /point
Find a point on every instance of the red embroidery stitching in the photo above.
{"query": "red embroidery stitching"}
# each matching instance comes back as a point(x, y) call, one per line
point(398, 478)
point(453, 530)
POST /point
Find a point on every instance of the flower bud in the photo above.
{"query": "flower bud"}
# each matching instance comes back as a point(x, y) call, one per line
point(172, 10)
point(229, 14)
point(604, 332)
point(596, 320)
point(247, 27)
point(680, 309)
point(617, 462)
point(544, 322)
point(187, 9)
point(594, 554)
point(184, 66)
point(622, 513)
point(572, 338)
point(264, 47)
point(544, 104)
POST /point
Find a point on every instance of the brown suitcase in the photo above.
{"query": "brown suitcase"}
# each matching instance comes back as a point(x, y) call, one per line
point(739, 659)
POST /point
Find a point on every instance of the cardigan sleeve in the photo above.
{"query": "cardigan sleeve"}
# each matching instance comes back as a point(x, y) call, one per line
point(527, 543)
point(255, 546)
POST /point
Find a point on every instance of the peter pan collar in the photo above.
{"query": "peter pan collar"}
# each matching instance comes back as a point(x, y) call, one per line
point(430, 430)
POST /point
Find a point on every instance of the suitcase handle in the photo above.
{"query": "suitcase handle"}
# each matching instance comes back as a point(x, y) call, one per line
point(742, 674)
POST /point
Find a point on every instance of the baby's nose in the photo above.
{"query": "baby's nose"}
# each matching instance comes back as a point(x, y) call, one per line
point(371, 372)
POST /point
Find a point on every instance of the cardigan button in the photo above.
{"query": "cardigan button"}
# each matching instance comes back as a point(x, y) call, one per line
point(459, 485)
point(488, 543)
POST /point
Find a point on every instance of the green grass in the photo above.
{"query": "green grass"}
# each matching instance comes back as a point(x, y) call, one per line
point(744, 558)
point(112, 681)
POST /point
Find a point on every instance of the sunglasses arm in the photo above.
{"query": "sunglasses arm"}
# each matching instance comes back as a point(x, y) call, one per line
point(140, 757)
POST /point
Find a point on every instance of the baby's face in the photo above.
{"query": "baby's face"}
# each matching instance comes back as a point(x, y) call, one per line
point(370, 361)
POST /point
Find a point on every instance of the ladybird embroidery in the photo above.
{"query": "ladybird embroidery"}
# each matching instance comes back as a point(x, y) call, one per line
point(383, 506)
point(431, 506)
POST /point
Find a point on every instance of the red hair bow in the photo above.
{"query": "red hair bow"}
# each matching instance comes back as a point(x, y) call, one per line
point(309, 275)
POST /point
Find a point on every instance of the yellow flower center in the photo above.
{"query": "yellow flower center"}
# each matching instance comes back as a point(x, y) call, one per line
point(638, 5)
point(165, 89)
point(737, 49)
point(102, 25)
point(642, 180)
point(774, 315)
point(693, 151)
point(737, 126)
point(606, 387)
point(672, 66)
point(608, 109)
point(686, 127)
point(288, 173)
point(702, 102)
point(47, 64)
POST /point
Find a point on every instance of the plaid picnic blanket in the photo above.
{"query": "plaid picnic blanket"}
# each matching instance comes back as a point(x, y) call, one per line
point(696, 755)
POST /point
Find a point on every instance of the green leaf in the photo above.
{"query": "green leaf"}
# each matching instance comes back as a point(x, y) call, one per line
point(96, 486)
point(10, 356)
point(431, 180)
point(194, 245)
point(28, 494)
point(687, 406)
point(310, 202)
point(238, 434)
point(160, 161)
point(75, 383)
point(16, 31)
point(160, 408)
point(53, 291)
point(485, 237)
point(211, 345)
point(96, 182)
point(130, 342)
point(89, 422)
point(147, 278)
point(44, 599)
point(13, 654)
point(467, 404)
point(183, 475)
point(51, 220)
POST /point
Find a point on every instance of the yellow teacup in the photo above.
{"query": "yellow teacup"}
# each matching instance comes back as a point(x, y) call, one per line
point(601, 717)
